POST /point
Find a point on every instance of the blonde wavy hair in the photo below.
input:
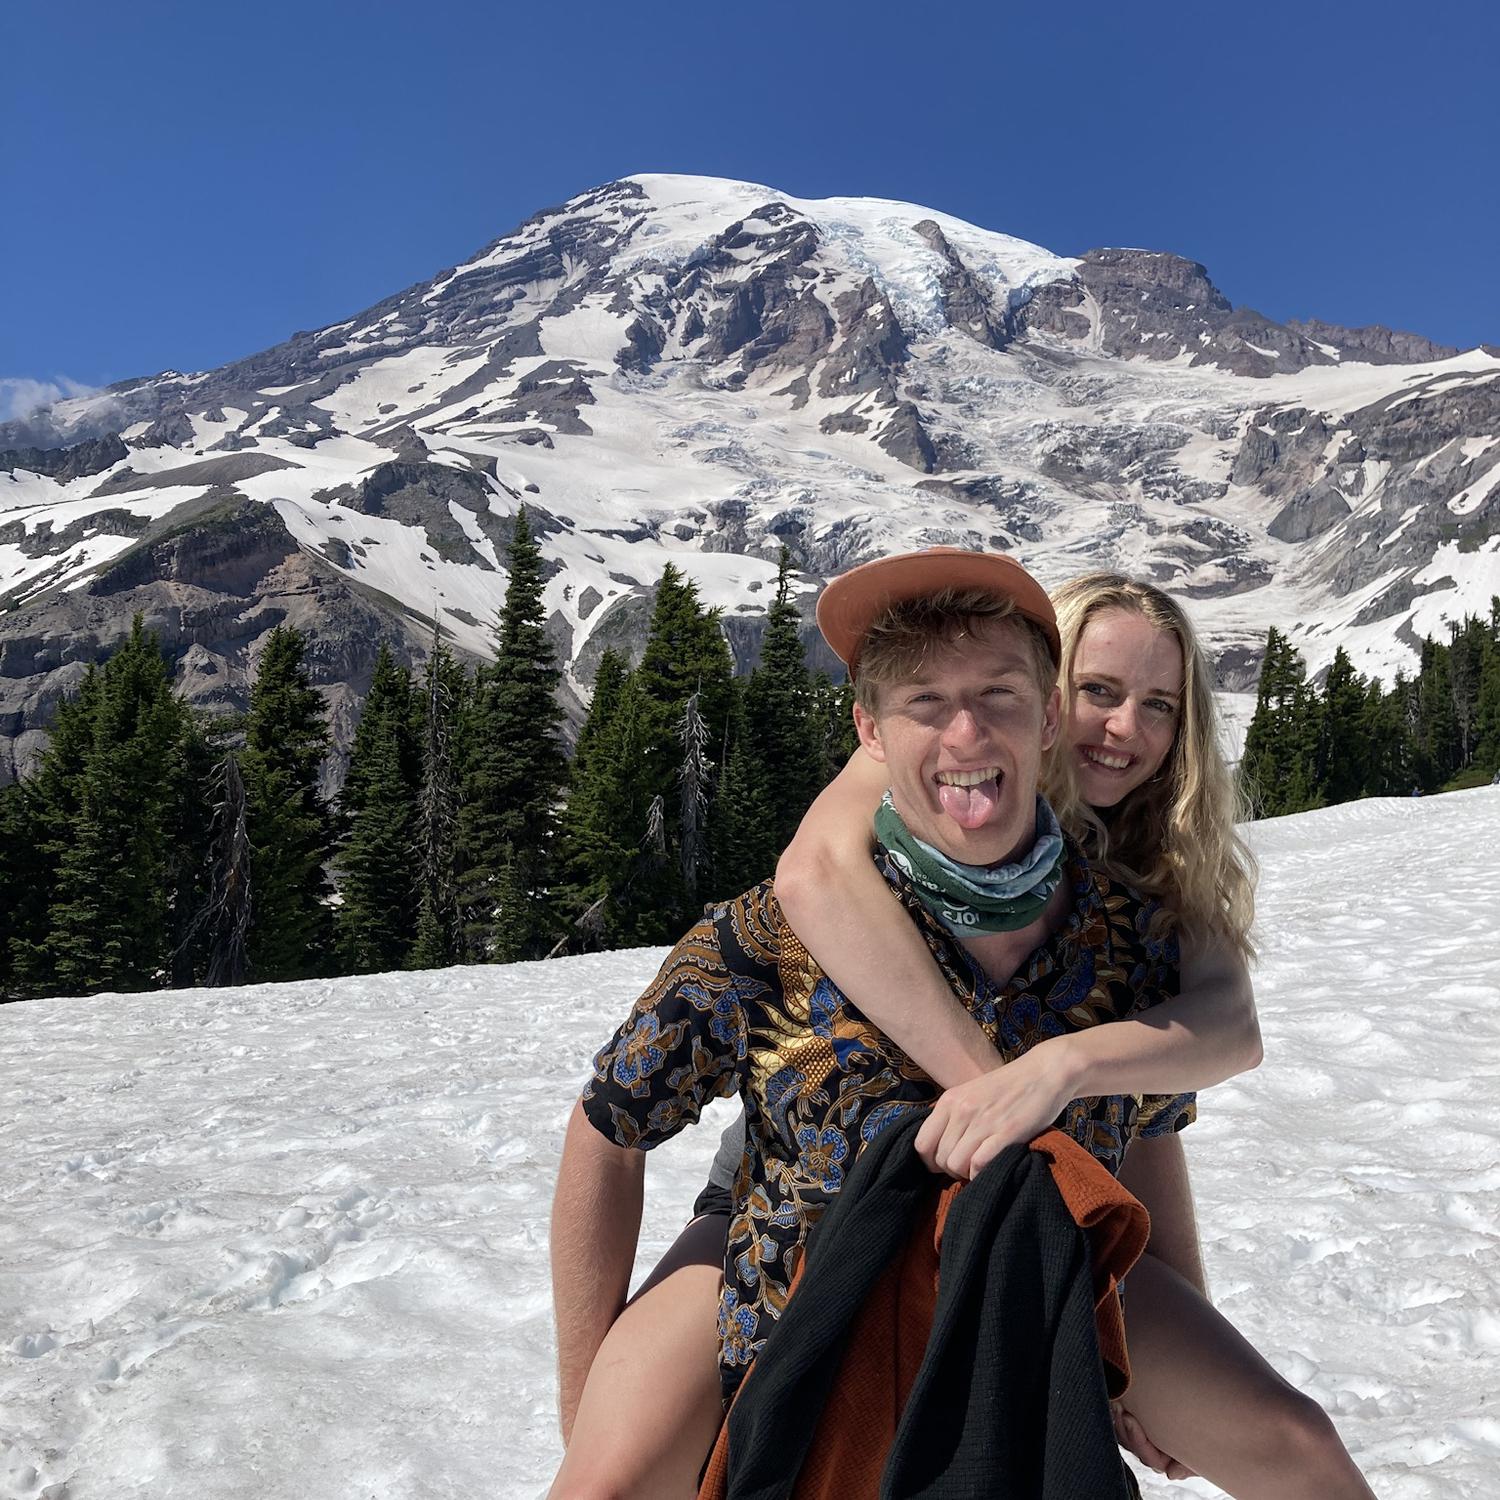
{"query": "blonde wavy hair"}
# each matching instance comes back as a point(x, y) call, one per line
point(1173, 837)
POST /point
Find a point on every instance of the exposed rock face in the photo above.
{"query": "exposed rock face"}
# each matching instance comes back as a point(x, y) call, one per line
point(92, 456)
point(1310, 513)
point(965, 301)
point(211, 592)
point(1147, 304)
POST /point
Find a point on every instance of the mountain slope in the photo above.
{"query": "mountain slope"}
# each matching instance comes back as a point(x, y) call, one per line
point(686, 369)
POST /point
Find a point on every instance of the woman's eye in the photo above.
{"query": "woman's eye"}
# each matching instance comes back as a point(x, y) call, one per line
point(1161, 706)
point(1094, 689)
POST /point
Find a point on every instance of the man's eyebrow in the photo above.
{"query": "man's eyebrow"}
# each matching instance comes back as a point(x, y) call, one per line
point(1007, 667)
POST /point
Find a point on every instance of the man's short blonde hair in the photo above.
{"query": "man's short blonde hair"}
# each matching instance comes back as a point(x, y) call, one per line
point(902, 638)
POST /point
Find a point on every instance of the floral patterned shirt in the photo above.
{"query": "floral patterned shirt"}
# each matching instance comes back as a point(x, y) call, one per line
point(739, 1006)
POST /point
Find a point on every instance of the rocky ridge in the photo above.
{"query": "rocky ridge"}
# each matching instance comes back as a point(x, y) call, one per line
point(699, 371)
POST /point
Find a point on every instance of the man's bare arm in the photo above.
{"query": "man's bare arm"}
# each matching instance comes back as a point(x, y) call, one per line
point(596, 1221)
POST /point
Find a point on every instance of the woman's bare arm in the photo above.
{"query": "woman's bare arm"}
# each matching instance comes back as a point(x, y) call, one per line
point(838, 904)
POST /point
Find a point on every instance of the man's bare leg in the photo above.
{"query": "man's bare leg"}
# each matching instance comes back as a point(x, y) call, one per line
point(1205, 1396)
point(651, 1406)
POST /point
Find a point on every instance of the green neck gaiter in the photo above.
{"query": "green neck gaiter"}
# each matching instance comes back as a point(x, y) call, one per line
point(977, 898)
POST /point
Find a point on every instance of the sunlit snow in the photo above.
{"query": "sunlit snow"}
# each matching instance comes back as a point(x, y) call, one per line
point(291, 1240)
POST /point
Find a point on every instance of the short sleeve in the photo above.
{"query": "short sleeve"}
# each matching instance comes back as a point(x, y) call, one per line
point(680, 1046)
point(1163, 1114)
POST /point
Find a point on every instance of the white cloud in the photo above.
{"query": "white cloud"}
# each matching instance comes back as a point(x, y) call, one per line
point(20, 396)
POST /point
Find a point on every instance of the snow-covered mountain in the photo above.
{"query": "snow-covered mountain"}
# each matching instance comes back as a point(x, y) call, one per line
point(291, 1240)
point(693, 370)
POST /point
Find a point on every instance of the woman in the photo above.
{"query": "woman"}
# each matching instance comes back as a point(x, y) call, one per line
point(1139, 749)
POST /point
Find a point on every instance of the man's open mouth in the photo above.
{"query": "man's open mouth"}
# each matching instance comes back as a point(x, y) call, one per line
point(969, 797)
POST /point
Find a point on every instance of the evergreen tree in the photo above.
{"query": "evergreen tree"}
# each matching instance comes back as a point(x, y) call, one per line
point(1388, 764)
point(1487, 709)
point(685, 653)
point(1466, 663)
point(833, 712)
point(109, 921)
point(376, 862)
point(46, 815)
point(1437, 736)
point(515, 767)
point(1343, 748)
point(595, 847)
point(1280, 764)
point(219, 933)
point(513, 919)
point(445, 691)
point(290, 826)
point(781, 718)
point(17, 875)
point(692, 776)
point(685, 656)
point(744, 851)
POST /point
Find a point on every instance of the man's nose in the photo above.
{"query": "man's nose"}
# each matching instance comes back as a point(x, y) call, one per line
point(963, 725)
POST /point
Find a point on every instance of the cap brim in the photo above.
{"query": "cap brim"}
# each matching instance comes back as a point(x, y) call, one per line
point(851, 602)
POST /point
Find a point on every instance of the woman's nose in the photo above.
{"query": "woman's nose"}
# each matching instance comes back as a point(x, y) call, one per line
point(1122, 721)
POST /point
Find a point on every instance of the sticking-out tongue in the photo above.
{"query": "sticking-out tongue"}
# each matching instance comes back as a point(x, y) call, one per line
point(969, 806)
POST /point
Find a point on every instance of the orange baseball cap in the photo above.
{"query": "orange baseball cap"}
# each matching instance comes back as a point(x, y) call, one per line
point(850, 603)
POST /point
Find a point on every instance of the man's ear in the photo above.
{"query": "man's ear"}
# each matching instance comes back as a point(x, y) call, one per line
point(869, 732)
point(1050, 718)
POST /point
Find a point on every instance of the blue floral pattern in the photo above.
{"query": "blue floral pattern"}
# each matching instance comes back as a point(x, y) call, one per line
point(740, 1006)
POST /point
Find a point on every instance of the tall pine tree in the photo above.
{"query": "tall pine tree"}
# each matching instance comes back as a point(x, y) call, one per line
point(376, 862)
point(781, 718)
point(515, 765)
point(290, 825)
point(109, 924)
point(444, 695)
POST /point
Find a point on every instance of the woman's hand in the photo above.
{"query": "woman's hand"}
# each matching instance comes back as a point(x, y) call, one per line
point(970, 1125)
point(1131, 1436)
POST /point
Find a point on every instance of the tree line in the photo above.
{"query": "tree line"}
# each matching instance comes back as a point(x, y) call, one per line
point(154, 846)
point(1439, 730)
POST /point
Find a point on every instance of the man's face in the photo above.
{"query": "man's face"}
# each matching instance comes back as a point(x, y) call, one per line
point(962, 740)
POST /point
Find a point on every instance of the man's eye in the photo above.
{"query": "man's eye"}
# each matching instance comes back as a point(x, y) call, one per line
point(1001, 689)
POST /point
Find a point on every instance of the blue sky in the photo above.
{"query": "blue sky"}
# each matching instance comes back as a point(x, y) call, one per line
point(185, 184)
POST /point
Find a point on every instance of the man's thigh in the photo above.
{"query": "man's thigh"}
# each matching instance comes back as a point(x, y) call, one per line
point(651, 1406)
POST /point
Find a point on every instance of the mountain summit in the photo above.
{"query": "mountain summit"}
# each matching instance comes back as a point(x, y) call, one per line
point(694, 370)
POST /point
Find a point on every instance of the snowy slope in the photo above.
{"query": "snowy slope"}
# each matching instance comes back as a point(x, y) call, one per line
point(690, 370)
point(291, 1240)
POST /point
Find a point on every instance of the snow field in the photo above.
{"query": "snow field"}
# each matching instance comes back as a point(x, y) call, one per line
point(291, 1239)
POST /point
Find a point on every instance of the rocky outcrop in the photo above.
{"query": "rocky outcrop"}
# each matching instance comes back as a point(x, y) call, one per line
point(210, 590)
point(92, 456)
point(1310, 513)
point(965, 301)
point(1145, 304)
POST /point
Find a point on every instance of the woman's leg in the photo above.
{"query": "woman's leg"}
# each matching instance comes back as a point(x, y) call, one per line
point(651, 1406)
point(1206, 1397)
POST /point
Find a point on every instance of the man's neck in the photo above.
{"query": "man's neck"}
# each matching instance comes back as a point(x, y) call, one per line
point(1000, 954)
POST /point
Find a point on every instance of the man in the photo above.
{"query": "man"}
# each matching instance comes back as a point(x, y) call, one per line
point(954, 658)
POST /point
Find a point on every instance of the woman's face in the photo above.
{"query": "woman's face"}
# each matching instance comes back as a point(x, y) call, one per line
point(1127, 701)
